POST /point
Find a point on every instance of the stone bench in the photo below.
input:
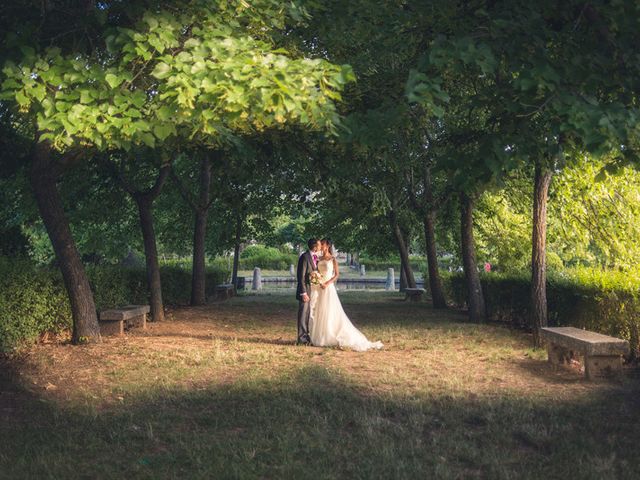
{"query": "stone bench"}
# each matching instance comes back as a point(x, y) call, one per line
point(224, 291)
point(414, 294)
point(115, 320)
point(602, 354)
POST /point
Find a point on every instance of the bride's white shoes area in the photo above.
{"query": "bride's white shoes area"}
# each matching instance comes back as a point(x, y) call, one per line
point(329, 325)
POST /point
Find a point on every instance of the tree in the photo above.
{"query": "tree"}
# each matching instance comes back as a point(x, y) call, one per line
point(153, 82)
point(144, 199)
point(200, 205)
point(427, 201)
point(552, 79)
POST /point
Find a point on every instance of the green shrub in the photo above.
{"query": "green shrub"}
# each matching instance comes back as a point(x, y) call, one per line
point(33, 299)
point(266, 258)
point(602, 301)
point(380, 264)
point(176, 283)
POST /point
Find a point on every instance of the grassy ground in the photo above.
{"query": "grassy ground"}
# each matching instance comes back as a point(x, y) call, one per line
point(222, 392)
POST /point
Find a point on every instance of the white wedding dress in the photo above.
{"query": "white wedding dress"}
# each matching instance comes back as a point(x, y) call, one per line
point(328, 324)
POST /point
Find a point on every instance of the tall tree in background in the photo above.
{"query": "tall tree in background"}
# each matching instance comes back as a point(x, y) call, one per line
point(144, 199)
point(199, 204)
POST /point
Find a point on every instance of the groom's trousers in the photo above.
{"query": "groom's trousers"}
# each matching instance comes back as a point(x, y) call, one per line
point(304, 312)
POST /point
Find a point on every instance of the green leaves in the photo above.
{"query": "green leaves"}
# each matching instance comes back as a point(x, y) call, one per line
point(162, 131)
point(161, 71)
point(113, 80)
point(199, 72)
point(426, 91)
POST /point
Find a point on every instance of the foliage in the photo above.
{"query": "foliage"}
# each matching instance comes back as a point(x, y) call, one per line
point(550, 77)
point(160, 79)
point(267, 258)
point(593, 219)
point(373, 263)
point(602, 301)
point(33, 300)
point(595, 215)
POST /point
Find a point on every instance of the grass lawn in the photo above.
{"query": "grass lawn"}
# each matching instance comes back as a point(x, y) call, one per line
point(222, 392)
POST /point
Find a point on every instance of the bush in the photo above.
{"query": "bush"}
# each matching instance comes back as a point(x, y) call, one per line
point(266, 257)
point(33, 299)
point(114, 285)
point(378, 264)
point(602, 301)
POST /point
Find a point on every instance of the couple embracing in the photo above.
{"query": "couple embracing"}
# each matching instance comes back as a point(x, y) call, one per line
point(321, 318)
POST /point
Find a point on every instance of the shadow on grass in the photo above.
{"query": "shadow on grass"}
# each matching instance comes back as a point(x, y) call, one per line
point(313, 424)
point(567, 375)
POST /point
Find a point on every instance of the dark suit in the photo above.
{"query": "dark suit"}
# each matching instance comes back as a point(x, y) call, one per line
point(305, 267)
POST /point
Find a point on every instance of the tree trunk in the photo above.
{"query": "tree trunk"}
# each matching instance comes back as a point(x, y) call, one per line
point(151, 257)
point(198, 271)
point(538, 252)
point(475, 298)
point(236, 253)
point(402, 249)
point(198, 268)
point(403, 277)
point(435, 284)
point(43, 175)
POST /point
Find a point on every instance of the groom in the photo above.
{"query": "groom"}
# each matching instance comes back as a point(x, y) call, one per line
point(307, 263)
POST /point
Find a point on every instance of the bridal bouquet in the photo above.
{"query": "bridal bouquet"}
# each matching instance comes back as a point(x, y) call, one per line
point(316, 278)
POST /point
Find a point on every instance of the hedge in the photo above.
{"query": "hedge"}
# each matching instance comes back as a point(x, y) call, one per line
point(601, 301)
point(33, 299)
point(374, 264)
point(382, 265)
point(268, 258)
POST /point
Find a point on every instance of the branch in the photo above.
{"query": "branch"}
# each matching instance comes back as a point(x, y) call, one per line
point(117, 174)
point(184, 193)
point(154, 191)
point(544, 104)
point(413, 199)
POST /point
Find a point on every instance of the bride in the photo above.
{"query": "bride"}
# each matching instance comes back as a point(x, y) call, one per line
point(329, 324)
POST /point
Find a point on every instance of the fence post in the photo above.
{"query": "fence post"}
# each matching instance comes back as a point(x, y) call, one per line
point(257, 279)
point(391, 280)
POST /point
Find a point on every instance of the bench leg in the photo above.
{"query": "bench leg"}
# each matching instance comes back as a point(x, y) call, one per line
point(558, 355)
point(602, 366)
point(416, 298)
point(111, 328)
point(139, 321)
